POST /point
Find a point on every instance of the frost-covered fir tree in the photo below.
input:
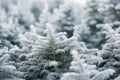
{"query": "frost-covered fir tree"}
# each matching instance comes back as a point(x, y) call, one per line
point(93, 16)
point(44, 18)
point(19, 9)
point(84, 33)
point(93, 20)
point(100, 12)
point(110, 51)
point(89, 55)
point(97, 9)
point(64, 18)
point(50, 55)
point(82, 70)
point(111, 12)
point(46, 15)
point(84, 64)
point(8, 70)
point(8, 32)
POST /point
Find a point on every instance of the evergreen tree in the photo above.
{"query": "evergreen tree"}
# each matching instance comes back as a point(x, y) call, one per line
point(98, 13)
point(49, 56)
point(8, 32)
point(8, 71)
point(94, 20)
point(63, 17)
point(110, 51)
point(83, 70)
point(44, 18)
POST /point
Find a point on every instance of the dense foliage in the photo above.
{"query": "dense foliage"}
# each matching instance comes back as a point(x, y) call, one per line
point(59, 40)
